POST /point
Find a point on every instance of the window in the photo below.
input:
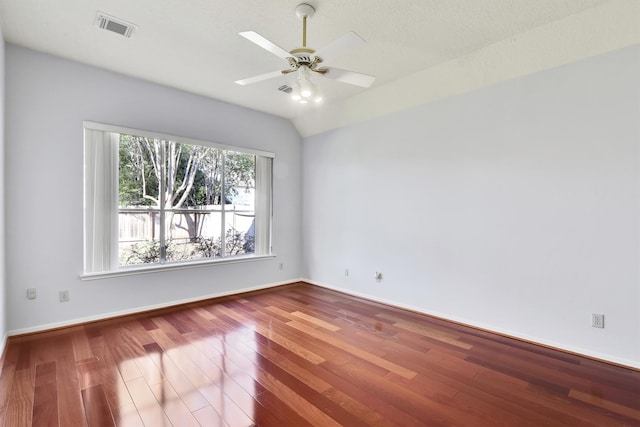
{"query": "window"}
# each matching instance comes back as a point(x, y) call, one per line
point(153, 199)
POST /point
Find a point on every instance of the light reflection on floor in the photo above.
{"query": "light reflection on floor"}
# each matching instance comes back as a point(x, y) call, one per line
point(210, 377)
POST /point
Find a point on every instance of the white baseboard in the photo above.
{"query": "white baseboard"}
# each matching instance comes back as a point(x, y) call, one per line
point(3, 345)
point(104, 316)
point(509, 333)
point(463, 321)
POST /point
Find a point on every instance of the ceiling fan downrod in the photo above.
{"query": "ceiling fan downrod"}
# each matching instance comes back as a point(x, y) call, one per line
point(304, 11)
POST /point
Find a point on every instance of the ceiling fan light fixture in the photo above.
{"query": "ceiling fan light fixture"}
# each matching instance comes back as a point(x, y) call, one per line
point(305, 97)
point(304, 90)
point(295, 93)
point(315, 97)
point(306, 85)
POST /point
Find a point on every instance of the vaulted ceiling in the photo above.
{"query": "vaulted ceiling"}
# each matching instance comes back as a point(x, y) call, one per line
point(419, 50)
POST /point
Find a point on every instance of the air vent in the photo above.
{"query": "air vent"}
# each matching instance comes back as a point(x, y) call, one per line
point(115, 25)
point(285, 89)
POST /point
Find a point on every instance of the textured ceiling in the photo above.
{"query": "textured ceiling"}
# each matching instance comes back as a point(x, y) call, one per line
point(194, 45)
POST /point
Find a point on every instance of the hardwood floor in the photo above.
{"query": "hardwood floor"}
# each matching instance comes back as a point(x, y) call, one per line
point(300, 355)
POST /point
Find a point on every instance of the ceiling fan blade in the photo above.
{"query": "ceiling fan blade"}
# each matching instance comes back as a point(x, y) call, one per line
point(349, 41)
point(265, 44)
point(351, 77)
point(258, 78)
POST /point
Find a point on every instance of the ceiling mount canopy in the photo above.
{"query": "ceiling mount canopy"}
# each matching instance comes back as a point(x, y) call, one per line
point(304, 61)
point(304, 11)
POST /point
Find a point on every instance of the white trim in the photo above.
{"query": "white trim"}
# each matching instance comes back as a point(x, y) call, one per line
point(165, 136)
point(532, 339)
point(182, 265)
point(137, 310)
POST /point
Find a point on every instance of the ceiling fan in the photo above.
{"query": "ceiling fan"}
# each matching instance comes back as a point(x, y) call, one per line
point(305, 60)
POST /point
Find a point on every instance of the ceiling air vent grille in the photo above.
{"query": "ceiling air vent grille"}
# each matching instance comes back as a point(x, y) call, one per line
point(115, 25)
point(285, 89)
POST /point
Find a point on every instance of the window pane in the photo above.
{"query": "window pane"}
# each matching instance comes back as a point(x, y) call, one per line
point(138, 236)
point(194, 222)
point(183, 215)
point(240, 178)
point(208, 243)
point(139, 204)
point(138, 172)
point(193, 233)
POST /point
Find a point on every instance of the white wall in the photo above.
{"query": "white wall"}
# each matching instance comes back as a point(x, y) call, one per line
point(47, 98)
point(515, 208)
point(3, 283)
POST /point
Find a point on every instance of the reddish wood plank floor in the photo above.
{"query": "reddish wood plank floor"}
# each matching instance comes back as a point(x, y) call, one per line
point(300, 355)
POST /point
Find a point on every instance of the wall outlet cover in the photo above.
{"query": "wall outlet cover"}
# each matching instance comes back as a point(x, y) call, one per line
point(597, 320)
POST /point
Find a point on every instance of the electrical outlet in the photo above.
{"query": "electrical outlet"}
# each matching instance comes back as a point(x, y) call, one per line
point(31, 293)
point(597, 320)
point(64, 296)
point(281, 266)
point(346, 272)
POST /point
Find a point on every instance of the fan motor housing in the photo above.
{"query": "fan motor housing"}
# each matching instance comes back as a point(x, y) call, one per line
point(305, 59)
point(305, 56)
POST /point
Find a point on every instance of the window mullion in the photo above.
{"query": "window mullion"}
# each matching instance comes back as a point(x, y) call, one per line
point(163, 189)
point(223, 205)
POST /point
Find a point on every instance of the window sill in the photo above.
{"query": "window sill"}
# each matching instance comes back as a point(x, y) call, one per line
point(132, 271)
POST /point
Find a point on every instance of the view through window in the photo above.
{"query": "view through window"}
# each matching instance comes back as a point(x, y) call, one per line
point(183, 202)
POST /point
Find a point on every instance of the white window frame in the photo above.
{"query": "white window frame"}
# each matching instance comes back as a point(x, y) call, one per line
point(101, 203)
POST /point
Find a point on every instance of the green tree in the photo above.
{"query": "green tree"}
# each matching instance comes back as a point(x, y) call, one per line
point(137, 181)
point(181, 176)
point(192, 175)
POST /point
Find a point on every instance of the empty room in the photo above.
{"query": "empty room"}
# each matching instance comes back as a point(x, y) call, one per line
point(320, 213)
